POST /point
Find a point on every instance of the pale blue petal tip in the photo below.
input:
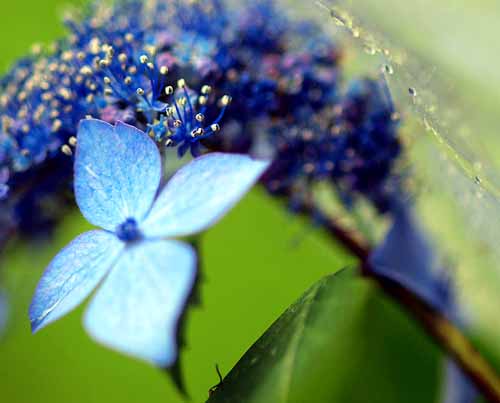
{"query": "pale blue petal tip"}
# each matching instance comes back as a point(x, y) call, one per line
point(36, 325)
point(201, 192)
point(72, 275)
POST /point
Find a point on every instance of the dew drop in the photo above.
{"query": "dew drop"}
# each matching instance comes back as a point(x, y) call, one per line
point(337, 18)
point(370, 50)
point(387, 68)
point(66, 150)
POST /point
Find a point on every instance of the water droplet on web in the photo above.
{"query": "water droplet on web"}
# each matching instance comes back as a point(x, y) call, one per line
point(459, 159)
point(370, 50)
point(387, 68)
point(337, 18)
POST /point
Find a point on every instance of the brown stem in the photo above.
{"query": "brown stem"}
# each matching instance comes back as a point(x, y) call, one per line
point(448, 336)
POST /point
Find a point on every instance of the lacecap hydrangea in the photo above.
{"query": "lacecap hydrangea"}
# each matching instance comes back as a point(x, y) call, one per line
point(194, 75)
point(197, 76)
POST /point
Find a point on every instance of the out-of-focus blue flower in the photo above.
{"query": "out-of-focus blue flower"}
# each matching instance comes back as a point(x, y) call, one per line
point(119, 63)
point(457, 388)
point(146, 279)
point(193, 75)
point(407, 257)
point(353, 146)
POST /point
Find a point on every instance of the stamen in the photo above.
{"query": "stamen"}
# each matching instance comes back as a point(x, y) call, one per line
point(66, 149)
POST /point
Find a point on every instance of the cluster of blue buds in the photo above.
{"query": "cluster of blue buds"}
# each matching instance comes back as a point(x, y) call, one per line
point(194, 75)
point(353, 145)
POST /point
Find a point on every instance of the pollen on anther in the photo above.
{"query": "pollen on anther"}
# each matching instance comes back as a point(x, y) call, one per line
point(206, 89)
point(122, 58)
point(66, 149)
point(86, 70)
point(225, 100)
point(197, 132)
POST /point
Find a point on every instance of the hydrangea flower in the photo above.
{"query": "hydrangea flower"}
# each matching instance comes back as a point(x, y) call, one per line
point(146, 279)
point(186, 73)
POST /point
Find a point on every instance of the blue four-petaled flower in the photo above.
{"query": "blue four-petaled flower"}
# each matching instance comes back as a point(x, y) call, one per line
point(146, 280)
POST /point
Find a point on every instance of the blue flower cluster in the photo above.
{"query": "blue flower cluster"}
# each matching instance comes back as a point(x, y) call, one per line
point(192, 74)
point(195, 75)
point(353, 145)
point(118, 173)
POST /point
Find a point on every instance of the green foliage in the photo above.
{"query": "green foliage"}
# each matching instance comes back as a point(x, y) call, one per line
point(252, 271)
point(342, 341)
point(29, 22)
point(256, 262)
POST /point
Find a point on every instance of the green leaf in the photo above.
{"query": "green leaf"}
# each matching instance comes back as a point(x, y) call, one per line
point(342, 341)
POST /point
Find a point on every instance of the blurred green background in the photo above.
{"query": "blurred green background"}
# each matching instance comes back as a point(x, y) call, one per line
point(256, 262)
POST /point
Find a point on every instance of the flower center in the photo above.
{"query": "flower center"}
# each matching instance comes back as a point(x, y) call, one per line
point(128, 231)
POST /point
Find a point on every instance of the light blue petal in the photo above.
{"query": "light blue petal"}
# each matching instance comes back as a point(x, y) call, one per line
point(72, 275)
point(117, 173)
point(457, 388)
point(201, 193)
point(136, 311)
point(407, 257)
